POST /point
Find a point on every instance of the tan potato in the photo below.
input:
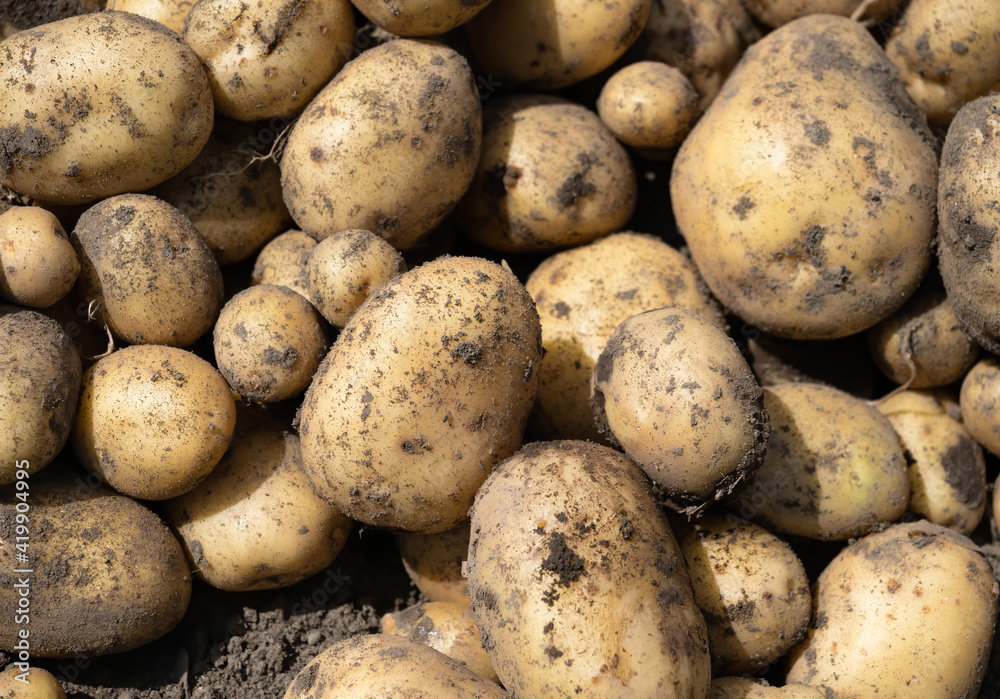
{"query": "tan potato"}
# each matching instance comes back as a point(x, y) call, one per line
point(857, 241)
point(774, 13)
point(153, 274)
point(551, 176)
point(104, 103)
point(170, 13)
point(284, 262)
point(30, 683)
point(434, 563)
point(748, 688)
point(412, 174)
point(907, 612)
point(153, 421)
point(38, 265)
point(420, 17)
point(980, 402)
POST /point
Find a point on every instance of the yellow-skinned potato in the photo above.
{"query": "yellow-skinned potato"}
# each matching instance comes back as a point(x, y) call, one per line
point(170, 13)
point(907, 612)
point(947, 467)
point(284, 262)
point(833, 469)
point(153, 421)
point(582, 295)
point(809, 220)
point(980, 402)
point(747, 688)
point(420, 17)
point(255, 522)
point(389, 146)
point(674, 391)
point(427, 388)
point(434, 563)
point(117, 103)
point(774, 13)
point(34, 683)
point(577, 583)
point(38, 265)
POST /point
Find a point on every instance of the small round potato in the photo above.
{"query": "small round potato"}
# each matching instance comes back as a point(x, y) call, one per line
point(346, 268)
point(980, 401)
point(434, 563)
point(34, 683)
point(284, 262)
point(38, 265)
point(420, 17)
point(153, 421)
point(269, 342)
point(169, 13)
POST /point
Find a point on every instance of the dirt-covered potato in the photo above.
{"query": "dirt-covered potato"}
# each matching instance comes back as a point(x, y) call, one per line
point(38, 265)
point(833, 469)
point(255, 522)
point(269, 342)
point(108, 574)
point(170, 13)
point(97, 105)
point(269, 58)
point(420, 17)
point(577, 583)
point(380, 665)
point(427, 388)
point(751, 589)
point(980, 402)
point(774, 13)
point(582, 295)
point(150, 269)
point(30, 683)
point(947, 53)
point(284, 262)
point(808, 219)
point(551, 176)
point(153, 421)
point(675, 393)
point(446, 627)
point(346, 268)
point(389, 146)
point(750, 688)
point(434, 563)
point(947, 467)
point(907, 612)
point(551, 45)
point(40, 378)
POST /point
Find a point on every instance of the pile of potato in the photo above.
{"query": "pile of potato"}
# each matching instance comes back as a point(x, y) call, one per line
point(275, 268)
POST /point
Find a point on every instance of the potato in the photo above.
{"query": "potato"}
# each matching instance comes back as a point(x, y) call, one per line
point(980, 403)
point(434, 563)
point(577, 583)
point(902, 613)
point(947, 53)
point(151, 271)
point(108, 574)
point(389, 146)
point(676, 394)
point(152, 421)
point(582, 295)
point(269, 342)
point(446, 627)
point(947, 468)
point(857, 241)
point(420, 17)
point(747, 688)
point(774, 13)
point(833, 468)
point(751, 588)
point(39, 385)
point(284, 262)
point(170, 13)
point(427, 388)
point(551, 176)
point(269, 58)
point(38, 266)
point(255, 522)
point(97, 105)
point(346, 268)
point(33, 683)
point(552, 45)
point(379, 665)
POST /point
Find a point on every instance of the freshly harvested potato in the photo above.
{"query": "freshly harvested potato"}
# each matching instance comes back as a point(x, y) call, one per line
point(552, 45)
point(38, 265)
point(151, 271)
point(269, 342)
point(170, 13)
point(25, 14)
point(751, 588)
point(255, 522)
point(427, 388)
point(434, 563)
point(97, 105)
point(153, 421)
point(577, 583)
point(420, 17)
point(33, 683)
point(947, 53)
point(582, 295)
point(833, 469)
point(109, 576)
point(857, 240)
point(346, 268)
point(39, 385)
point(980, 402)
point(774, 13)
point(446, 627)
point(674, 391)
point(389, 146)
point(380, 665)
point(907, 612)
point(551, 176)
point(284, 262)
point(748, 688)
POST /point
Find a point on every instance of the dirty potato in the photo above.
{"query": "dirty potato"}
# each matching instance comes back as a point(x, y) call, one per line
point(750, 688)
point(34, 683)
point(284, 262)
point(774, 13)
point(170, 13)
point(420, 17)
point(980, 403)
point(434, 563)
point(38, 265)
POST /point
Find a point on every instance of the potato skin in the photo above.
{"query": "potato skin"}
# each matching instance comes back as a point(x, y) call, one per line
point(420, 17)
point(170, 13)
point(748, 688)
point(434, 563)
point(284, 262)
point(90, 136)
point(41, 684)
point(980, 402)
point(649, 105)
point(775, 13)
point(38, 265)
